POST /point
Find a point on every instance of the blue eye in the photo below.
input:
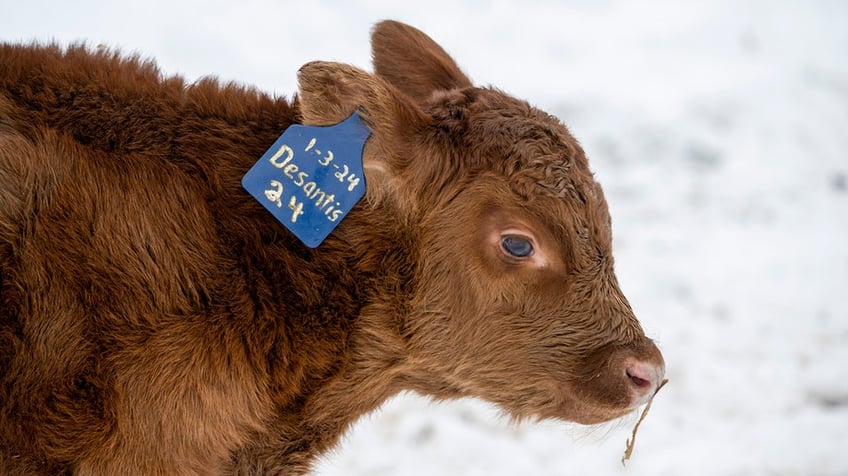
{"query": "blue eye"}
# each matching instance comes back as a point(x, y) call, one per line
point(517, 246)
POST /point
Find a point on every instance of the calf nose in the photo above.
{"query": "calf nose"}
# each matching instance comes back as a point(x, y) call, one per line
point(644, 378)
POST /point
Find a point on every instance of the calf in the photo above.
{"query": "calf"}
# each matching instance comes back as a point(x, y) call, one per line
point(156, 319)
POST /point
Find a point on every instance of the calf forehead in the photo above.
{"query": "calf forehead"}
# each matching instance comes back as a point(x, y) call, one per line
point(540, 161)
point(530, 147)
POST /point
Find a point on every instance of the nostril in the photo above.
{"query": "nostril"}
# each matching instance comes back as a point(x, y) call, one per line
point(637, 380)
point(643, 376)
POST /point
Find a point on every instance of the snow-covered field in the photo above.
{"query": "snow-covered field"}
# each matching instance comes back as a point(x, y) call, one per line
point(719, 130)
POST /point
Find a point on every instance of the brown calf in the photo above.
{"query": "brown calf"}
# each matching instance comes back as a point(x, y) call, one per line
point(155, 319)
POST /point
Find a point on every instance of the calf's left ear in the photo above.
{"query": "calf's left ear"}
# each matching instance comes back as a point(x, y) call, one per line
point(330, 92)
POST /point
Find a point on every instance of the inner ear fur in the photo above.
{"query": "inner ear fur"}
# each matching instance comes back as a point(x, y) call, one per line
point(330, 92)
point(412, 62)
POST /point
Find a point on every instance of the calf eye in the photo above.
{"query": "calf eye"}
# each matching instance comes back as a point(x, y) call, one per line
point(517, 246)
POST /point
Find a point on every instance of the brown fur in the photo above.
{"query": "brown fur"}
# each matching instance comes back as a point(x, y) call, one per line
point(155, 319)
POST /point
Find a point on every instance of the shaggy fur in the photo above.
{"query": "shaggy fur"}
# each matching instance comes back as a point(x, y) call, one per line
point(155, 319)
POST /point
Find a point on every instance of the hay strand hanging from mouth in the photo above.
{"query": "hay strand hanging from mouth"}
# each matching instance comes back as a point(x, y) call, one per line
point(632, 440)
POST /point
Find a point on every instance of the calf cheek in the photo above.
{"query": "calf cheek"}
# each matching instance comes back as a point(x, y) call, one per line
point(495, 349)
point(460, 324)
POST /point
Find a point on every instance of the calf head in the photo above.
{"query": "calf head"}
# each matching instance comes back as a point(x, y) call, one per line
point(515, 300)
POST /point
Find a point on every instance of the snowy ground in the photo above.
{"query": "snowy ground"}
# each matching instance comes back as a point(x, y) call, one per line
point(720, 132)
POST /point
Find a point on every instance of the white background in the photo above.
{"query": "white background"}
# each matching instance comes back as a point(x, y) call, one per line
point(720, 132)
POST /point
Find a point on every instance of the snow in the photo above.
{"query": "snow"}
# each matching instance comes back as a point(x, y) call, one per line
point(719, 130)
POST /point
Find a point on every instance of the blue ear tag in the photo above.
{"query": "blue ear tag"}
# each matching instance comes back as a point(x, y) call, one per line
point(311, 177)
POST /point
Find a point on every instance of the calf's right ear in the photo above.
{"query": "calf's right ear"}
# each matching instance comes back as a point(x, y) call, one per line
point(413, 62)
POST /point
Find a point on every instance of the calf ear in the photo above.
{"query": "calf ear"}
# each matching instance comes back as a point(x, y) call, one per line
point(413, 62)
point(330, 92)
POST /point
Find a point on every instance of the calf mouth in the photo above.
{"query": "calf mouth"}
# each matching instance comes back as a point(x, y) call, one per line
point(622, 381)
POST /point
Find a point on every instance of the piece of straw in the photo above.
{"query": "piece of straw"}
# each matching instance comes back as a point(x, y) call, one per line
point(632, 440)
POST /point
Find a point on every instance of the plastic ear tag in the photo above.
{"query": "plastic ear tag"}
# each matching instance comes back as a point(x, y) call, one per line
point(311, 177)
